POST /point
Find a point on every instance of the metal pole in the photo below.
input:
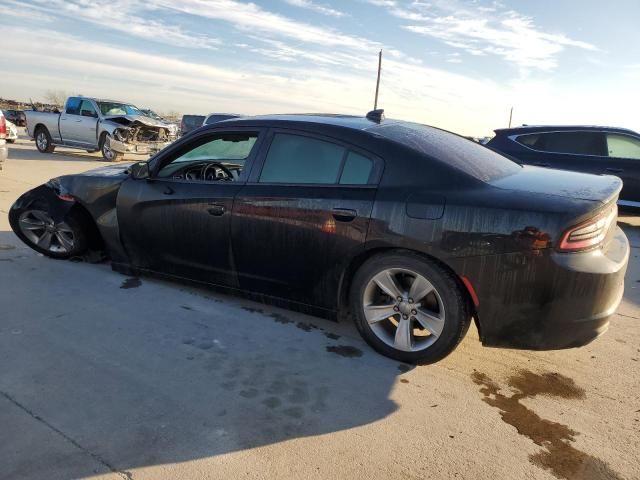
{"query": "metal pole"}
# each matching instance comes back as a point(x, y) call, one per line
point(375, 102)
point(510, 117)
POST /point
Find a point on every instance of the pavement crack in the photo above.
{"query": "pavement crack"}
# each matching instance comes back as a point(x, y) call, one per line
point(121, 473)
point(628, 316)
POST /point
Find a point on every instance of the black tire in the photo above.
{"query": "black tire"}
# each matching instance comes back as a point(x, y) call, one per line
point(458, 312)
point(74, 220)
point(108, 154)
point(44, 144)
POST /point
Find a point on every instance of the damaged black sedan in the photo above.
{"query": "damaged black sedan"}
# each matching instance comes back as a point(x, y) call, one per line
point(412, 230)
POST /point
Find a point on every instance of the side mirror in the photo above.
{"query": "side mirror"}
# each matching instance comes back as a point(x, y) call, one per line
point(140, 170)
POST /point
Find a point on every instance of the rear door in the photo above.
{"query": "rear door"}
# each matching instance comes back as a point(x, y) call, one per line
point(303, 216)
point(70, 121)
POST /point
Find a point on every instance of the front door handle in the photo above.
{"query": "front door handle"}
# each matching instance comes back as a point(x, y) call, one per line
point(615, 170)
point(541, 164)
point(344, 214)
point(216, 210)
point(168, 191)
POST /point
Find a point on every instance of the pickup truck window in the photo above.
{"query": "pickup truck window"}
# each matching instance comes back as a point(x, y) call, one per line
point(87, 109)
point(73, 106)
point(113, 108)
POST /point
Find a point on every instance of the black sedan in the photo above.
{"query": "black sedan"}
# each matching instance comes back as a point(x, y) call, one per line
point(413, 230)
point(599, 150)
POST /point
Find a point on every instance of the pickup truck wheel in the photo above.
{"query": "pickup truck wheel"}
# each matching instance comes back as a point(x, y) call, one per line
point(108, 154)
point(44, 144)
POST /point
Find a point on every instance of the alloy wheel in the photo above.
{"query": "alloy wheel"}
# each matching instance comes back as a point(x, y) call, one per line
point(41, 140)
point(403, 309)
point(42, 231)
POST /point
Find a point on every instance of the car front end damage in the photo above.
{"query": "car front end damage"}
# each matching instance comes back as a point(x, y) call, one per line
point(139, 135)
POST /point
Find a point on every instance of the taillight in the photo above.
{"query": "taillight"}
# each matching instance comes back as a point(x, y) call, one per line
point(589, 234)
point(3, 127)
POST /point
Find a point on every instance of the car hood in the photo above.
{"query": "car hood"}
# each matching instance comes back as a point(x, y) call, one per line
point(128, 119)
point(109, 171)
point(563, 183)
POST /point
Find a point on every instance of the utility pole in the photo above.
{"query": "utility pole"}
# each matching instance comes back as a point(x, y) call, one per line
point(510, 117)
point(375, 102)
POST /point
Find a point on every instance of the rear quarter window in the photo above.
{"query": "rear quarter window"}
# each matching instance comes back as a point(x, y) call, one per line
point(577, 143)
point(460, 153)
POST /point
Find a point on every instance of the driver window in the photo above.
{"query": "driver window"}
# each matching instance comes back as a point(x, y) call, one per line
point(221, 158)
point(87, 109)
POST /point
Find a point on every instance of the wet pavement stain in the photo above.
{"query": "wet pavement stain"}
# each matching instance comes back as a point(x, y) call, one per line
point(561, 458)
point(7, 247)
point(307, 327)
point(332, 336)
point(345, 351)
point(279, 318)
point(186, 307)
point(404, 367)
point(133, 282)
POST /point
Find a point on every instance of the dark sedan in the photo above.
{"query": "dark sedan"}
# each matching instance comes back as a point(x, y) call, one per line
point(599, 150)
point(411, 229)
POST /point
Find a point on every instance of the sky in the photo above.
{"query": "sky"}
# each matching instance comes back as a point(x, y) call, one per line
point(456, 64)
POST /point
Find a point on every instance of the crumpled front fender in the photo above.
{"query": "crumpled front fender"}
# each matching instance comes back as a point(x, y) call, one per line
point(57, 208)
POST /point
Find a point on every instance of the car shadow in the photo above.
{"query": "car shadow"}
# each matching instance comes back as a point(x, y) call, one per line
point(139, 372)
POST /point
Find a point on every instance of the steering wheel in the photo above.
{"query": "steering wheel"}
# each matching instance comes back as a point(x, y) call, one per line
point(229, 176)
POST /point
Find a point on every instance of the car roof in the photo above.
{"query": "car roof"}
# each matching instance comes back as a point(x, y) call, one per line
point(327, 119)
point(559, 128)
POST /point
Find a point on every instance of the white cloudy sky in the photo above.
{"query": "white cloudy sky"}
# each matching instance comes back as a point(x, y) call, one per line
point(456, 64)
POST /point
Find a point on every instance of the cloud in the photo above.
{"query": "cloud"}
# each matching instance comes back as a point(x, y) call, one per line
point(127, 17)
point(251, 17)
point(486, 31)
point(316, 7)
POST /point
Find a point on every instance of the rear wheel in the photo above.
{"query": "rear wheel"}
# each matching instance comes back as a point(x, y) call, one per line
point(107, 153)
point(44, 143)
point(36, 227)
point(409, 308)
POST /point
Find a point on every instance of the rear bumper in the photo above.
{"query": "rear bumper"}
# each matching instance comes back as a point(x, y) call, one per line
point(548, 300)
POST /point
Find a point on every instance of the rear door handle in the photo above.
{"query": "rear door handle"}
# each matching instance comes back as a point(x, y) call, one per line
point(168, 191)
point(216, 210)
point(344, 214)
point(615, 170)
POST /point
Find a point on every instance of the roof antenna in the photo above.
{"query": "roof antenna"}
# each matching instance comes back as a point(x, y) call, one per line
point(376, 114)
point(510, 117)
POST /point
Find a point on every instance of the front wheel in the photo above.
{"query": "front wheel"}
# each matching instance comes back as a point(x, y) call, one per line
point(409, 308)
point(107, 153)
point(35, 226)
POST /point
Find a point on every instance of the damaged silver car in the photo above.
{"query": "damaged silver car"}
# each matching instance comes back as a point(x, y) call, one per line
point(111, 127)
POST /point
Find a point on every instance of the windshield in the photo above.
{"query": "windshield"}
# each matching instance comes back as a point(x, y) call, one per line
point(113, 108)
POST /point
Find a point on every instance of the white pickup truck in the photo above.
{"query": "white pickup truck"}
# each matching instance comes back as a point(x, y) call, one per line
point(91, 124)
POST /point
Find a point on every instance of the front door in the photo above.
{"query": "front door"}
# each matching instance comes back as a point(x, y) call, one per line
point(303, 217)
point(177, 222)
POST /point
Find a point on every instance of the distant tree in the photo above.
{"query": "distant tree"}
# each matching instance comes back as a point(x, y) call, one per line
point(56, 97)
point(171, 115)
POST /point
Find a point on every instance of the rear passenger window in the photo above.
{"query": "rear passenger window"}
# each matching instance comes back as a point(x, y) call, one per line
point(73, 106)
point(357, 170)
point(622, 146)
point(298, 159)
point(578, 143)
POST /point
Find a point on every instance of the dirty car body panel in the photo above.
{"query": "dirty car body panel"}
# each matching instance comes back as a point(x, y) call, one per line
point(501, 229)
